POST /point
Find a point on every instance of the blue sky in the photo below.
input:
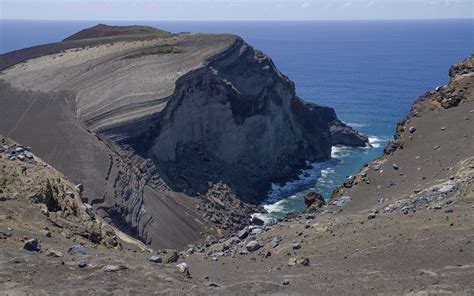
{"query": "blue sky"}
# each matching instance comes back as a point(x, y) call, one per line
point(234, 9)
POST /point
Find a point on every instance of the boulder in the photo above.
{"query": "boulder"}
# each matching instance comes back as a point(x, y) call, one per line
point(276, 241)
point(303, 261)
point(252, 246)
point(242, 234)
point(343, 200)
point(170, 256)
point(313, 201)
point(446, 188)
point(371, 215)
point(77, 249)
point(32, 245)
point(257, 221)
point(296, 245)
point(183, 268)
point(156, 259)
point(83, 263)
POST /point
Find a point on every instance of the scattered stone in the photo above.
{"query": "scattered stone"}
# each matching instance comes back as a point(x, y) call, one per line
point(285, 282)
point(113, 268)
point(214, 259)
point(252, 246)
point(303, 261)
point(190, 251)
point(411, 129)
point(32, 245)
point(437, 147)
point(276, 241)
point(156, 259)
point(265, 253)
point(257, 221)
point(243, 252)
point(343, 200)
point(443, 128)
point(183, 268)
point(296, 245)
point(349, 182)
point(446, 188)
point(313, 201)
point(83, 263)
point(77, 249)
point(171, 256)
point(371, 215)
point(242, 234)
point(449, 210)
point(88, 209)
point(80, 188)
point(395, 166)
point(55, 254)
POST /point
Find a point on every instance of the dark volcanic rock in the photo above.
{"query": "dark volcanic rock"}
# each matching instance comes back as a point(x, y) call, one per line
point(313, 201)
point(249, 127)
point(344, 135)
point(32, 245)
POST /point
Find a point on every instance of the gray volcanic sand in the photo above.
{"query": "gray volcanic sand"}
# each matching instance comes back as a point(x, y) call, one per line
point(425, 252)
point(41, 100)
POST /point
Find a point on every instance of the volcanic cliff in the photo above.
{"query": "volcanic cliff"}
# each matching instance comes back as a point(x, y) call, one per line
point(148, 121)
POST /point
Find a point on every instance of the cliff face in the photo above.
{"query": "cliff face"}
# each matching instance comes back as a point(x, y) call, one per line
point(141, 118)
point(238, 119)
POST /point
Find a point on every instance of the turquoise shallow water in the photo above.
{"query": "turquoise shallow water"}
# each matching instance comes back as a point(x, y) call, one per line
point(369, 71)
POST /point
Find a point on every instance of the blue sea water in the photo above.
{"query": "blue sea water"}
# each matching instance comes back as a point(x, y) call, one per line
point(369, 71)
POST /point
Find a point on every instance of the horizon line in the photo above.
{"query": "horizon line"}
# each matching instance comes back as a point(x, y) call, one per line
point(269, 20)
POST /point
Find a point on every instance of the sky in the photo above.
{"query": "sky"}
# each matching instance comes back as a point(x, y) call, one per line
point(207, 10)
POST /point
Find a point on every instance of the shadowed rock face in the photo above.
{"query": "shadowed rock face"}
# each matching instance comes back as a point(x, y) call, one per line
point(238, 119)
point(138, 118)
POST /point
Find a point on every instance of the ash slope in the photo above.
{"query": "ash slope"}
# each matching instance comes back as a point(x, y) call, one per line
point(140, 117)
point(421, 245)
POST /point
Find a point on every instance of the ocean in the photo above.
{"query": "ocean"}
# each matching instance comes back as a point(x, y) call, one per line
point(369, 71)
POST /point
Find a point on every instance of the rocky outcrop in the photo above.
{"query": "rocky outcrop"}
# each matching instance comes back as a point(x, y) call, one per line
point(28, 180)
point(313, 201)
point(344, 135)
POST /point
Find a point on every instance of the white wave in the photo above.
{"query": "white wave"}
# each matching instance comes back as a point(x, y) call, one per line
point(376, 142)
point(305, 180)
point(355, 125)
point(339, 152)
